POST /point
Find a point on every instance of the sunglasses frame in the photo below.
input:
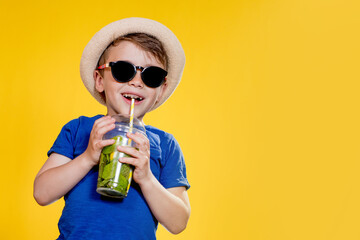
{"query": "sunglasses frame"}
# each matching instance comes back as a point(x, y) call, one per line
point(142, 69)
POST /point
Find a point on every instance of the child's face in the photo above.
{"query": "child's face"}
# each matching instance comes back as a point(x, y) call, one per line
point(116, 92)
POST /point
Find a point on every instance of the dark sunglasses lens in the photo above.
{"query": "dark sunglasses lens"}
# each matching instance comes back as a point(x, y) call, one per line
point(123, 71)
point(153, 76)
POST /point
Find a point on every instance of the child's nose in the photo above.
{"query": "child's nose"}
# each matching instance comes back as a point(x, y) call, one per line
point(137, 81)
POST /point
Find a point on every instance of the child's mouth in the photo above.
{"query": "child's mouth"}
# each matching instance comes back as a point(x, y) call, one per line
point(130, 96)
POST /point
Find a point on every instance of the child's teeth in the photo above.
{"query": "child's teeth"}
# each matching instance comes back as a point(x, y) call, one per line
point(133, 96)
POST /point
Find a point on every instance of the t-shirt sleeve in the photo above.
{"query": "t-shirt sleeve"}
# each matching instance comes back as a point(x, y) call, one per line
point(173, 173)
point(64, 143)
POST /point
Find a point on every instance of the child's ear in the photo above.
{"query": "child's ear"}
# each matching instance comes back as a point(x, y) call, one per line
point(162, 90)
point(99, 81)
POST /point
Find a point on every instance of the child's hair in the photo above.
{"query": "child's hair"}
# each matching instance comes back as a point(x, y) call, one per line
point(146, 42)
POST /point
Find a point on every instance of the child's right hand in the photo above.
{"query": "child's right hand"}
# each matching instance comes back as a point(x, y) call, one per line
point(96, 143)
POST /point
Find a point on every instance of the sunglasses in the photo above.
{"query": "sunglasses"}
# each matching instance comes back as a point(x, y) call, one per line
point(123, 72)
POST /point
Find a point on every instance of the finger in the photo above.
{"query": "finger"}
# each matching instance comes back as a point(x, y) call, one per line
point(104, 143)
point(99, 132)
point(138, 137)
point(143, 145)
point(104, 118)
point(141, 141)
point(138, 157)
point(128, 160)
point(103, 121)
point(129, 151)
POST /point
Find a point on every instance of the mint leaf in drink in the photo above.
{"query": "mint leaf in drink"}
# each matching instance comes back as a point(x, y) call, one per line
point(122, 184)
point(109, 149)
point(109, 170)
point(119, 141)
point(125, 170)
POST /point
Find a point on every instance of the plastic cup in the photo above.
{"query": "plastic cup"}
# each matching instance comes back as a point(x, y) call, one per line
point(114, 178)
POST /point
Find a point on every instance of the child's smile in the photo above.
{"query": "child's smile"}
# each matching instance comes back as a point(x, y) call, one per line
point(129, 96)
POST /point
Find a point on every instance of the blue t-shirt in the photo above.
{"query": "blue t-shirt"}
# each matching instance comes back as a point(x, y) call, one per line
point(89, 215)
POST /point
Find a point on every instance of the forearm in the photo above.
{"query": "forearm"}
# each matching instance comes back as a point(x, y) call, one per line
point(55, 182)
point(171, 211)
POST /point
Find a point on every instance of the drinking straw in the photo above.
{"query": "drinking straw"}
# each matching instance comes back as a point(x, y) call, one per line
point(131, 118)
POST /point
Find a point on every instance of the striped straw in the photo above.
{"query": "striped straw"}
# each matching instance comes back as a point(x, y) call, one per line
point(131, 118)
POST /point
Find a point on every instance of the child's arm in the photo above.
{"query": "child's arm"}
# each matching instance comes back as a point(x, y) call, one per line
point(60, 174)
point(171, 207)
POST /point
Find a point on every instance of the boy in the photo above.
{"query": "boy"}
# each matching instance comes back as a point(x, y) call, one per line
point(126, 59)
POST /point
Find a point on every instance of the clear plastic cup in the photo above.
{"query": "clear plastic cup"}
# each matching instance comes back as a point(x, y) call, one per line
point(115, 177)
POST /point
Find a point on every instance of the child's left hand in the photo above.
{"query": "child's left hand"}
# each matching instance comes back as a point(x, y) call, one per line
point(140, 158)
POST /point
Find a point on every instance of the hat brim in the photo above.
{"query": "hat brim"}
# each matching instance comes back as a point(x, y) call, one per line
point(102, 39)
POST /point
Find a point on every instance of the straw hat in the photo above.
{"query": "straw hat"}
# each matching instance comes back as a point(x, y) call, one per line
point(102, 39)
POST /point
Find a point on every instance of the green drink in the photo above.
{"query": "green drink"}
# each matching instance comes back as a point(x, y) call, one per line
point(114, 178)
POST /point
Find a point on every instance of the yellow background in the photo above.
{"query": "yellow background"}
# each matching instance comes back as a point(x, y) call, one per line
point(266, 113)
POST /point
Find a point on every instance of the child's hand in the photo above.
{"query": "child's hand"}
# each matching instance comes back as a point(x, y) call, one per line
point(140, 158)
point(96, 143)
